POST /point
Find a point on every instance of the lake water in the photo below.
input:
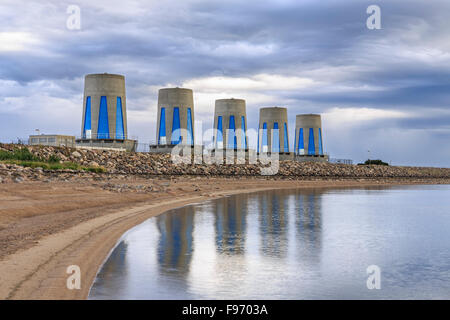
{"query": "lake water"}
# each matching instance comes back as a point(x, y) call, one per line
point(289, 244)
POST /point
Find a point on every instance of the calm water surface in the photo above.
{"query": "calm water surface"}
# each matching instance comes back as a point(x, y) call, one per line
point(295, 244)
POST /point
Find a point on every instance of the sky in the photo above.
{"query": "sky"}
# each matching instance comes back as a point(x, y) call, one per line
point(383, 93)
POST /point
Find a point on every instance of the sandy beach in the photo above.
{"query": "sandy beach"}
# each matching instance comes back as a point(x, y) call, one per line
point(46, 227)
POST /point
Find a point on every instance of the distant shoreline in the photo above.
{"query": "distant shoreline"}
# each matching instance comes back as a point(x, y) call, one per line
point(46, 227)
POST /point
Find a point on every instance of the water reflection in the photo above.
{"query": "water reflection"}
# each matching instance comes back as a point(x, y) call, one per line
point(309, 224)
point(292, 244)
point(273, 224)
point(230, 224)
point(118, 259)
point(175, 245)
point(117, 264)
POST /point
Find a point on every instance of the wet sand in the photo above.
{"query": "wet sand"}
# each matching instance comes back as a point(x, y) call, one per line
point(46, 227)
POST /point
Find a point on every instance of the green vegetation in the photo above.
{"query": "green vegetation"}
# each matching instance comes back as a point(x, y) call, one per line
point(18, 154)
point(45, 165)
point(23, 157)
point(54, 159)
point(94, 169)
point(374, 162)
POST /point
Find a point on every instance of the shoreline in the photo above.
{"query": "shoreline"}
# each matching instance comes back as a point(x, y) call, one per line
point(39, 271)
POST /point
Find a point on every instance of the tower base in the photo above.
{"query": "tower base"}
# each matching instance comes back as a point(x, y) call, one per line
point(311, 158)
point(107, 144)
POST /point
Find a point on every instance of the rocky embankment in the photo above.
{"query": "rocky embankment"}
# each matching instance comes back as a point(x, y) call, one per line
point(123, 163)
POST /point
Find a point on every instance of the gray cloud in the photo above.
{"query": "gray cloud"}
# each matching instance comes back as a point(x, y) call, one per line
point(403, 67)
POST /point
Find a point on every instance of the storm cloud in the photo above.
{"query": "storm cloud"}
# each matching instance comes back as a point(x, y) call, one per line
point(383, 93)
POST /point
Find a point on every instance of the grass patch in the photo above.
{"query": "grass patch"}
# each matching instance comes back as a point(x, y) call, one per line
point(19, 154)
point(23, 157)
point(54, 159)
point(95, 169)
point(55, 166)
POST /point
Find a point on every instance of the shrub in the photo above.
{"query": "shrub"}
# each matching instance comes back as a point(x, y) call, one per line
point(374, 162)
point(23, 157)
point(18, 154)
point(54, 159)
point(56, 166)
point(5, 155)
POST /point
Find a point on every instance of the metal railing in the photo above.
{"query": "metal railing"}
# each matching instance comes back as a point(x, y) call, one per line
point(142, 147)
point(23, 141)
point(341, 161)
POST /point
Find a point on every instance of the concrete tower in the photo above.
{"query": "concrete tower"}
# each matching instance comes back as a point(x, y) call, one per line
point(175, 122)
point(269, 138)
point(308, 136)
point(230, 124)
point(104, 107)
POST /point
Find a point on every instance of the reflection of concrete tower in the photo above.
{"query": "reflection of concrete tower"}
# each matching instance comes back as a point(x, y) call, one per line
point(176, 240)
point(104, 111)
point(273, 221)
point(309, 224)
point(273, 130)
point(308, 144)
point(104, 122)
point(231, 225)
point(230, 123)
point(175, 122)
